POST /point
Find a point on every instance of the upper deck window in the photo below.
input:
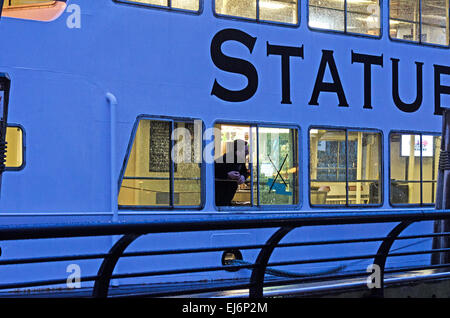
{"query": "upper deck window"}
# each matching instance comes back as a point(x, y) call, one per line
point(191, 5)
point(39, 10)
point(349, 16)
point(421, 21)
point(284, 11)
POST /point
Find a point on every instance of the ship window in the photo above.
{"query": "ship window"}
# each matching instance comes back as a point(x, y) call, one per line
point(39, 10)
point(15, 146)
point(414, 168)
point(345, 167)
point(349, 16)
point(163, 168)
point(191, 5)
point(24, 3)
point(284, 11)
point(265, 157)
point(421, 21)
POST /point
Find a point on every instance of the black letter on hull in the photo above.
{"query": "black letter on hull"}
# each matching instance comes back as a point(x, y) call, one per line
point(234, 65)
point(285, 52)
point(408, 108)
point(438, 88)
point(321, 86)
point(368, 61)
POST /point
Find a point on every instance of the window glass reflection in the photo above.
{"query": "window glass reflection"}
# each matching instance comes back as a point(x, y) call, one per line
point(157, 174)
point(345, 167)
point(422, 21)
point(352, 16)
point(266, 175)
point(413, 168)
point(283, 11)
point(192, 5)
point(14, 151)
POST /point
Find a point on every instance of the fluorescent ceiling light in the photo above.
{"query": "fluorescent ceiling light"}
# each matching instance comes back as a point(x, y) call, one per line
point(272, 5)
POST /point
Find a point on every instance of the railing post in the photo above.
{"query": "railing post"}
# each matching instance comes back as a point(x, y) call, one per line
point(257, 278)
point(101, 286)
point(382, 254)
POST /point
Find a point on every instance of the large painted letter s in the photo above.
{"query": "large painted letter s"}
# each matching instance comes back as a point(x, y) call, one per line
point(234, 65)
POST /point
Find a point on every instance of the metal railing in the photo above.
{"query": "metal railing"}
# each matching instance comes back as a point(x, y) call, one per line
point(282, 225)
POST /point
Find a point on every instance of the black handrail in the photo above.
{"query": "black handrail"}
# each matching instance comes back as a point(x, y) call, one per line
point(281, 223)
point(257, 278)
point(222, 222)
point(383, 252)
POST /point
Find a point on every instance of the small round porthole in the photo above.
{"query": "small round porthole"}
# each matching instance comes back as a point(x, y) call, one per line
point(229, 256)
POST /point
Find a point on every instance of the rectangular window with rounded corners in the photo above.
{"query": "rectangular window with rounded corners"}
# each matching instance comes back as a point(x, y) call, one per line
point(420, 21)
point(282, 11)
point(164, 165)
point(15, 148)
point(349, 16)
point(38, 10)
point(345, 167)
point(255, 165)
point(414, 160)
point(25, 3)
point(190, 5)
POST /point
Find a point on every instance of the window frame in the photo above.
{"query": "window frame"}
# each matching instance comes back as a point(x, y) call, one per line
point(347, 33)
point(410, 205)
point(257, 20)
point(21, 167)
point(381, 179)
point(419, 43)
point(158, 7)
point(171, 206)
point(257, 206)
